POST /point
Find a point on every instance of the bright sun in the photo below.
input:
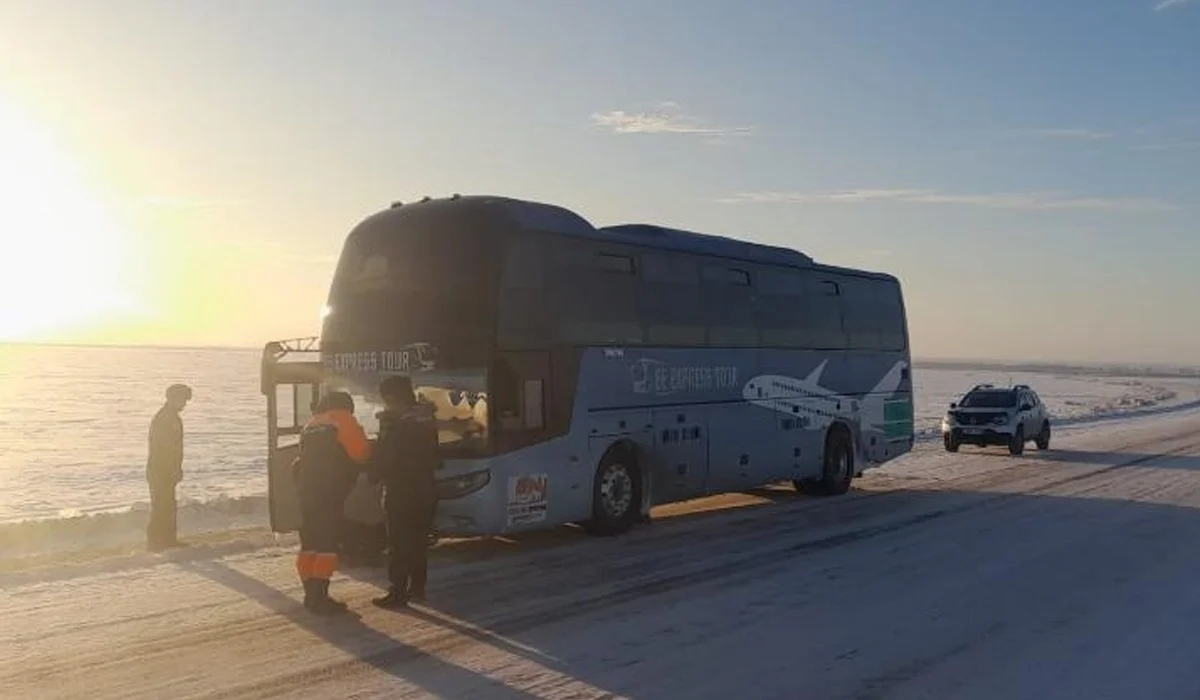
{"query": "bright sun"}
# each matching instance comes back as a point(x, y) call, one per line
point(61, 256)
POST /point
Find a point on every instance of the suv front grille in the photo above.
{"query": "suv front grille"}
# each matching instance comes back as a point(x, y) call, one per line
point(976, 418)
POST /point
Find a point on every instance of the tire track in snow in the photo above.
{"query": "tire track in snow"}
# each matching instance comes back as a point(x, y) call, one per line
point(745, 566)
point(658, 560)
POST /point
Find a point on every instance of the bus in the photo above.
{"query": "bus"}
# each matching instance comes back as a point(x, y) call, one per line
point(585, 374)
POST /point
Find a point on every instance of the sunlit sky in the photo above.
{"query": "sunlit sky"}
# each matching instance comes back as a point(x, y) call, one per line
point(185, 172)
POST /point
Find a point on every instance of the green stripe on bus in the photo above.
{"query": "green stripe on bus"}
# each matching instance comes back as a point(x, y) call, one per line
point(897, 419)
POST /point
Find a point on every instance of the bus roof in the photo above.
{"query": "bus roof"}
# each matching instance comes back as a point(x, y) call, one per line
point(556, 219)
point(702, 244)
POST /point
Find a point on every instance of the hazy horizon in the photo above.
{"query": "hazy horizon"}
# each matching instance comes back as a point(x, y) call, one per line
point(183, 174)
point(978, 362)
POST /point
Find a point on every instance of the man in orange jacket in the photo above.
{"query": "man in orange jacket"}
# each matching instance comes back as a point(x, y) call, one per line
point(333, 451)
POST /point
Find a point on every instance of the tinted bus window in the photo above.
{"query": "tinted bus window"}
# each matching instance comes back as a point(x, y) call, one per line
point(779, 308)
point(823, 312)
point(671, 307)
point(860, 313)
point(523, 321)
point(593, 295)
point(892, 331)
point(728, 300)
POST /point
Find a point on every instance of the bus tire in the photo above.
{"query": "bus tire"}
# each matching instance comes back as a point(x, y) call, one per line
point(837, 468)
point(616, 494)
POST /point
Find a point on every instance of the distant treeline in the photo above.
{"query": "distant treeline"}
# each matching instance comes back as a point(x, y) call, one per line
point(1110, 370)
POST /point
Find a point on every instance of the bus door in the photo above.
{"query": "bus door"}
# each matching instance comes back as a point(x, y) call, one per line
point(521, 399)
point(291, 386)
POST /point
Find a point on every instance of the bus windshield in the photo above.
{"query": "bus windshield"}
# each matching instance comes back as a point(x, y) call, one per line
point(415, 293)
point(459, 401)
point(400, 282)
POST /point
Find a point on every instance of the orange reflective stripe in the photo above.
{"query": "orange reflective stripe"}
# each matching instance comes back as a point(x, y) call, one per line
point(350, 433)
point(304, 565)
point(352, 436)
point(323, 565)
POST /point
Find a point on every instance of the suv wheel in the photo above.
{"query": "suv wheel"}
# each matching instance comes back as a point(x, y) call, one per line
point(1043, 438)
point(950, 442)
point(1016, 444)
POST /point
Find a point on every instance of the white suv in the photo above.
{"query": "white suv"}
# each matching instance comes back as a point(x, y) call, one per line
point(989, 415)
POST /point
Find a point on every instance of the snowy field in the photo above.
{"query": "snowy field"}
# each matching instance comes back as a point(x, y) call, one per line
point(1064, 574)
point(72, 451)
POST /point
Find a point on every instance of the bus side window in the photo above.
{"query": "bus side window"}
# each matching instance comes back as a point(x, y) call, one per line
point(861, 314)
point(823, 314)
point(519, 403)
point(728, 297)
point(593, 295)
point(522, 319)
point(506, 402)
point(533, 405)
point(671, 309)
point(779, 308)
point(286, 416)
point(891, 310)
point(305, 399)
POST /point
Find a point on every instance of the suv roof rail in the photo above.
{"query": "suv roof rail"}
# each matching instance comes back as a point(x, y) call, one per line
point(983, 386)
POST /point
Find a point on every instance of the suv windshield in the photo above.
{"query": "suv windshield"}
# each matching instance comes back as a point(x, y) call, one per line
point(989, 399)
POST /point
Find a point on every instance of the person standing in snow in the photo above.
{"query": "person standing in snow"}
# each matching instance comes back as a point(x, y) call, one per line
point(164, 468)
point(333, 452)
point(405, 457)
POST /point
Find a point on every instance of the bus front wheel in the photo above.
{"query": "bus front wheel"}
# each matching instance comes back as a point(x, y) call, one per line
point(615, 494)
point(837, 467)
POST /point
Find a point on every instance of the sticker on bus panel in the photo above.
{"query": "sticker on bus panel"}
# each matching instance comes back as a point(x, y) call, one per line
point(410, 358)
point(528, 497)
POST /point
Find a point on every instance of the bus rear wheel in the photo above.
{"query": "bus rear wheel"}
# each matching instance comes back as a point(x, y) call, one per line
point(615, 495)
point(837, 467)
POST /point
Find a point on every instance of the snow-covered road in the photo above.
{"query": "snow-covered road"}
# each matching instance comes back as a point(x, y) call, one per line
point(1068, 574)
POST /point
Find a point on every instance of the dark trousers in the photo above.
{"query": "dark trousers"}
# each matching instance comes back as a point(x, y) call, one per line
point(362, 544)
point(408, 547)
point(161, 531)
point(320, 537)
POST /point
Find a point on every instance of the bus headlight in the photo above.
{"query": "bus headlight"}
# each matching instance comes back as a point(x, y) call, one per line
point(465, 485)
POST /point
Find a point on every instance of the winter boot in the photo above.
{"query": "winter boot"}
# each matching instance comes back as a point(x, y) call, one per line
point(394, 600)
point(322, 604)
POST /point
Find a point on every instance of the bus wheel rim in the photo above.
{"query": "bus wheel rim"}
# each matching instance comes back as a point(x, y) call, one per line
point(616, 490)
point(841, 464)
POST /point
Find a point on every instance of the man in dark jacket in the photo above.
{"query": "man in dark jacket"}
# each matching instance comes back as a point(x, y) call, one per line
point(333, 452)
point(404, 459)
point(164, 468)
